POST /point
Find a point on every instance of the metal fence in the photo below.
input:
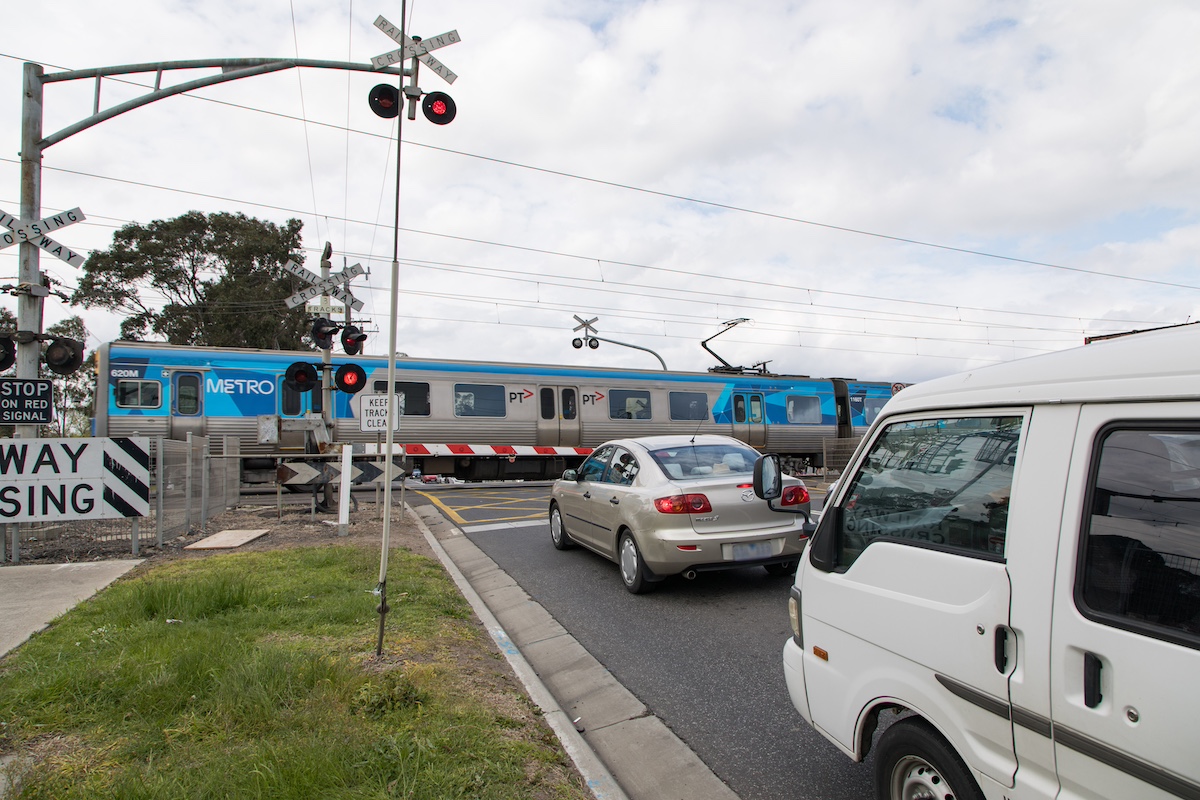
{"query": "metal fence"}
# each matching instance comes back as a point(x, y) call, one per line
point(837, 453)
point(190, 482)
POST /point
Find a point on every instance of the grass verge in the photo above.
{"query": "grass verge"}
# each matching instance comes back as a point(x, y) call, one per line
point(253, 675)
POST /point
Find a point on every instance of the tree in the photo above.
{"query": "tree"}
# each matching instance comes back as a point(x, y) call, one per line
point(214, 280)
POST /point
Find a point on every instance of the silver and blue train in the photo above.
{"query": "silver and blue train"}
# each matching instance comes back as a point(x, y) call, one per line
point(468, 419)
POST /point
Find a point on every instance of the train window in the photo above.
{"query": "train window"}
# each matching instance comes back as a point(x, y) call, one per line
point(739, 408)
point(804, 409)
point(872, 407)
point(414, 396)
point(689, 405)
point(568, 403)
point(138, 394)
point(628, 404)
point(546, 403)
point(289, 400)
point(187, 395)
point(478, 400)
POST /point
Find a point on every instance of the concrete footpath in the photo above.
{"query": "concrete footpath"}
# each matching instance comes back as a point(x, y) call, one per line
point(32, 595)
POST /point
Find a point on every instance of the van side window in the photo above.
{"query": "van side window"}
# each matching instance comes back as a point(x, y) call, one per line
point(1140, 568)
point(941, 483)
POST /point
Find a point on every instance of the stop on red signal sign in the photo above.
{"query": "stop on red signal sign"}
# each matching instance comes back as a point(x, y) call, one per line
point(439, 108)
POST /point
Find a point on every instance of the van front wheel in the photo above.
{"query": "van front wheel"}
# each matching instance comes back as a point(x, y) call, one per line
point(915, 761)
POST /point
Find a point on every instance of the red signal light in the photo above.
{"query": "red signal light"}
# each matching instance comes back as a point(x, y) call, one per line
point(439, 108)
point(350, 378)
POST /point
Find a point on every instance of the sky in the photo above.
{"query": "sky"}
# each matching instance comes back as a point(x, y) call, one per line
point(894, 190)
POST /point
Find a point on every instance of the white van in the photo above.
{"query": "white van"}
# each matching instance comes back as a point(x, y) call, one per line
point(1011, 565)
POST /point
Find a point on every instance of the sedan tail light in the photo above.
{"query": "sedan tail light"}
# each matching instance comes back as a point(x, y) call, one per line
point(794, 496)
point(683, 504)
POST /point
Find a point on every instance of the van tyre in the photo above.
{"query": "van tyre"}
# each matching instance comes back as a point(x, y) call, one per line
point(558, 533)
point(914, 760)
point(634, 573)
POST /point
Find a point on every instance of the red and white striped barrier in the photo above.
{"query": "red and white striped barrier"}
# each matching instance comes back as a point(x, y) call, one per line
point(503, 450)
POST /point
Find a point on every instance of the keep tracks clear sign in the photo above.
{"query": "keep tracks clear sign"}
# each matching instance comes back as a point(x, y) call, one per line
point(42, 480)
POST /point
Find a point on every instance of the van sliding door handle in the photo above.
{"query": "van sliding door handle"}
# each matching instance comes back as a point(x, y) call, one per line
point(1091, 680)
point(1000, 656)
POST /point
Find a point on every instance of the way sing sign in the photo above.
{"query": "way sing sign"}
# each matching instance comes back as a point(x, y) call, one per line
point(373, 411)
point(72, 479)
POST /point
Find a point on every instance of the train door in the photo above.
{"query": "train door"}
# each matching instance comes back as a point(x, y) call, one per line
point(750, 418)
point(558, 416)
point(187, 404)
point(841, 399)
point(296, 404)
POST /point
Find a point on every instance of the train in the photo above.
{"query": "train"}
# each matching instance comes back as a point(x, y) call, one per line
point(470, 420)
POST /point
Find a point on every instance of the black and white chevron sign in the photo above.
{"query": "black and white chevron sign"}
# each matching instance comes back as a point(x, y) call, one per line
point(69, 479)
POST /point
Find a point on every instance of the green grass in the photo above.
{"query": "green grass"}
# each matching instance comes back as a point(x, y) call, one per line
point(253, 675)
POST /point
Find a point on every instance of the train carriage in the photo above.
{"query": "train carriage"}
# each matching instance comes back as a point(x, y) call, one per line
point(472, 420)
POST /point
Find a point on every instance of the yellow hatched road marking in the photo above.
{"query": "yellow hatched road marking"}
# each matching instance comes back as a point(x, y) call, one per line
point(450, 512)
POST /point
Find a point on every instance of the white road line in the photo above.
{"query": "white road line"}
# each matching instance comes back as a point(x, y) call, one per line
point(496, 526)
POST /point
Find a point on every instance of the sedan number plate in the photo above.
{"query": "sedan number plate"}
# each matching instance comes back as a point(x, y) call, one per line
point(748, 551)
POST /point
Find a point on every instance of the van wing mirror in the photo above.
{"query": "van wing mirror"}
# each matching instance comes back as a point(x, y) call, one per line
point(822, 547)
point(768, 479)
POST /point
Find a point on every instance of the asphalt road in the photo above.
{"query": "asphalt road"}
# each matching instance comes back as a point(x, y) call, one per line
point(704, 656)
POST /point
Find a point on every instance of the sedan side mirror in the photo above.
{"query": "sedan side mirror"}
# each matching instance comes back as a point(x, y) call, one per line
point(570, 475)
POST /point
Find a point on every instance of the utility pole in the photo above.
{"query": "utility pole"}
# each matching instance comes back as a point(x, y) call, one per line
point(29, 304)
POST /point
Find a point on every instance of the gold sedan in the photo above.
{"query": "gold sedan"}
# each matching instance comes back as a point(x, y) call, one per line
point(676, 505)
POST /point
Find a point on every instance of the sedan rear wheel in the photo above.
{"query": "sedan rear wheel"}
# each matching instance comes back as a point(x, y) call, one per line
point(558, 534)
point(633, 568)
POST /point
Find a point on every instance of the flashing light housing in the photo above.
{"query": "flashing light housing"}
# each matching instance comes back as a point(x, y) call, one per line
point(322, 333)
point(384, 100)
point(301, 377)
point(64, 356)
point(350, 378)
point(439, 108)
point(8, 352)
point(352, 340)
